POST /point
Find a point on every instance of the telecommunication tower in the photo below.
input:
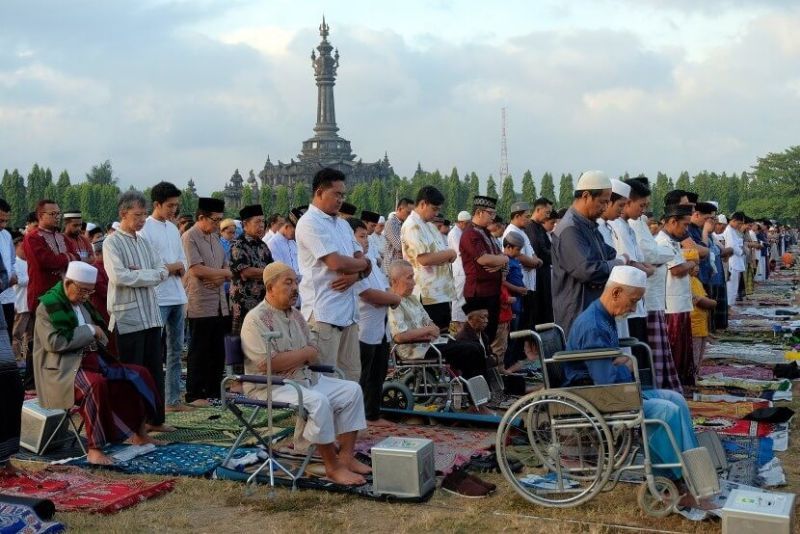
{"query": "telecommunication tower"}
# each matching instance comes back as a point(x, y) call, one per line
point(503, 147)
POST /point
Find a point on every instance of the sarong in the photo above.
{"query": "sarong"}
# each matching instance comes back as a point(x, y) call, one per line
point(114, 399)
point(719, 318)
point(679, 332)
point(11, 397)
point(665, 373)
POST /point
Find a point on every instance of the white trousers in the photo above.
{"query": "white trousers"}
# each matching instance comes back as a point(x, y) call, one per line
point(456, 313)
point(733, 286)
point(334, 407)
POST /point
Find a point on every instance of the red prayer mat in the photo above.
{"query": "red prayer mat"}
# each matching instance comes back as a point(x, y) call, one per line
point(76, 490)
point(733, 427)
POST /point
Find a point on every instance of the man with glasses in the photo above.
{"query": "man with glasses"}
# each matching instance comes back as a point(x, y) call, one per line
point(430, 257)
point(483, 261)
point(48, 254)
point(134, 270)
point(207, 311)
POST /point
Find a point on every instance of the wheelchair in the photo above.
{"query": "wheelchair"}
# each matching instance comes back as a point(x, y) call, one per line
point(581, 440)
point(429, 381)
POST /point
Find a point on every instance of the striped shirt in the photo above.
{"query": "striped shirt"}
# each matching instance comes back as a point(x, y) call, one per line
point(132, 301)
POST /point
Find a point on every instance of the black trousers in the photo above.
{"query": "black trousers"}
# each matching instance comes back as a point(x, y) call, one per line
point(528, 316)
point(144, 348)
point(543, 307)
point(11, 397)
point(8, 313)
point(637, 327)
point(374, 364)
point(440, 314)
point(206, 358)
point(29, 382)
point(493, 305)
point(465, 356)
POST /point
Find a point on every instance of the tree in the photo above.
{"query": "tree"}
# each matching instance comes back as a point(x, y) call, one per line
point(247, 196)
point(281, 200)
point(266, 200)
point(473, 189)
point(359, 196)
point(491, 187)
point(101, 174)
point(566, 191)
point(732, 186)
point(683, 182)
point(37, 183)
point(528, 188)
point(660, 188)
point(451, 191)
point(188, 202)
point(13, 187)
point(549, 188)
point(301, 195)
point(508, 197)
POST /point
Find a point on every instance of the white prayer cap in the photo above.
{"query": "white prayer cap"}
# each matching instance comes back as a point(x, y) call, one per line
point(621, 188)
point(90, 226)
point(79, 271)
point(115, 225)
point(593, 180)
point(463, 216)
point(381, 220)
point(722, 219)
point(628, 275)
point(713, 203)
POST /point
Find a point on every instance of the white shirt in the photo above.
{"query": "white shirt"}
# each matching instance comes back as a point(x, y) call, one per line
point(371, 319)
point(625, 243)
point(434, 283)
point(679, 289)
point(165, 239)
point(734, 240)
point(319, 234)
point(528, 275)
point(21, 288)
point(9, 258)
point(657, 255)
point(268, 236)
point(285, 251)
point(376, 244)
point(604, 227)
point(454, 242)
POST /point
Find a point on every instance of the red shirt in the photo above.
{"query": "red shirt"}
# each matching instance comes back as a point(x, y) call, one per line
point(48, 255)
point(506, 313)
point(475, 242)
point(98, 298)
point(83, 247)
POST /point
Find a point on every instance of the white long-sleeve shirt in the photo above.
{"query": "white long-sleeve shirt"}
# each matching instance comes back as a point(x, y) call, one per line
point(657, 255)
point(165, 239)
point(9, 259)
point(734, 240)
point(21, 287)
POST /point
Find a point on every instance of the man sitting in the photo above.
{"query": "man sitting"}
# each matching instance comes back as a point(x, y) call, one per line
point(70, 366)
point(595, 328)
point(335, 407)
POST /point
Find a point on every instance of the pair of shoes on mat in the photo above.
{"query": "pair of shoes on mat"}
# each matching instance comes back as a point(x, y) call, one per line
point(488, 464)
point(466, 485)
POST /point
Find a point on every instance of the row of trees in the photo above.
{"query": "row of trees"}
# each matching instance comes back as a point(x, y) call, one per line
point(771, 190)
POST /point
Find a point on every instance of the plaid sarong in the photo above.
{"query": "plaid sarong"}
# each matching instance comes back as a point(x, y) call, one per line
point(666, 375)
point(679, 332)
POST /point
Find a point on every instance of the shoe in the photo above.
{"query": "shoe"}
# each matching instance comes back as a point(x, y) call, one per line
point(459, 483)
point(490, 488)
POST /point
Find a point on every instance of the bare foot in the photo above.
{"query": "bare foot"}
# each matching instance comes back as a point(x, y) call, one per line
point(380, 422)
point(160, 428)
point(200, 403)
point(138, 439)
point(345, 477)
point(98, 457)
point(180, 407)
point(357, 467)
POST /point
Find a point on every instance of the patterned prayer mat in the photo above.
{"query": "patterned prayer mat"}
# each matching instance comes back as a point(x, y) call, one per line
point(218, 437)
point(73, 489)
point(452, 447)
point(175, 459)
point(748, 352)
point(732, 427)
point(739, 448)
point(737, 371)
point(732, 410)
point(212, 418)
point(16, 518)
point(746, 383)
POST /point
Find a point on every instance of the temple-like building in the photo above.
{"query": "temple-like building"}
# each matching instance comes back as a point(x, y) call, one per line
point(326, 148)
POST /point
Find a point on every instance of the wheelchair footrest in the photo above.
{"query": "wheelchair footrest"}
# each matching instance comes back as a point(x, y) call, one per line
point(700, 474)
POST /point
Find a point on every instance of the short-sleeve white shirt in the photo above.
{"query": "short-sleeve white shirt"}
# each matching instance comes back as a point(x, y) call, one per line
point(371, 319)
point(528, 275)
point(679, 289)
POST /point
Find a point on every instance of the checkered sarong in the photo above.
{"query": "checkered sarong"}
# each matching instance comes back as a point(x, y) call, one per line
point(666, 375)
point(679, 332)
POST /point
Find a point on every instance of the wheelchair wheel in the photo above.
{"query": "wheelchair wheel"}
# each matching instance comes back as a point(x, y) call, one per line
point(660, 505)
point(570, 439)
point(396, 395)
point(423, 383)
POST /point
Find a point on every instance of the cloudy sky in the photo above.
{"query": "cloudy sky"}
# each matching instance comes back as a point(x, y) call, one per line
point(197, 88)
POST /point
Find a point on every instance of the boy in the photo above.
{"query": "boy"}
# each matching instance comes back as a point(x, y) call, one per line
point(699, 314)
point(511, 293)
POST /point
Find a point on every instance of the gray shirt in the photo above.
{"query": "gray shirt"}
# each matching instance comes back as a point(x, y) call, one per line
point(582, 262)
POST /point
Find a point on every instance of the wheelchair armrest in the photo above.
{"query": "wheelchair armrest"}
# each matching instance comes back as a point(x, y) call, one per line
point(580, 355)
point(330, 369)
point(260, 379)
point(544, 326)
point(628, 341)
point(519, 334)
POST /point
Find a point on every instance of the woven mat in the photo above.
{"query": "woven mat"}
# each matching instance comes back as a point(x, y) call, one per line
point(732, 410)
point(73, 489)
point(737, 371)
point(212, 418)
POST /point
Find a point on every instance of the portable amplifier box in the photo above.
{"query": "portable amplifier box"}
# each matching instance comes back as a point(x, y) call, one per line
point(403, 467)
point(755, 512)
point(38, 424)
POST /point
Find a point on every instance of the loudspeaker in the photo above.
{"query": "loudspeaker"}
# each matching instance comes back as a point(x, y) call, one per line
point(403, 467)
point(38, 424)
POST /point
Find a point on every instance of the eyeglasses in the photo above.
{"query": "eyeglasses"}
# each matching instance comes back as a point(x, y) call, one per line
point(52, 213)
point(215, 219)
point(84, 291)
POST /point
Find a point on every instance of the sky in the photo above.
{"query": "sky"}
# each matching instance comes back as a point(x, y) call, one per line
point(198, 88)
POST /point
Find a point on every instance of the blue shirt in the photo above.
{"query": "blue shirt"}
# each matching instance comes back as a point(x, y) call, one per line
point(595, 328)
point(717, 278)
point(696, 233)
point(514, 276)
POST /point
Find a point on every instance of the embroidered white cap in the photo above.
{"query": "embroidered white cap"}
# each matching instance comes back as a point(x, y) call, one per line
point(463, 216)
point(627, 275)
point(79, 271)
point(590, 180)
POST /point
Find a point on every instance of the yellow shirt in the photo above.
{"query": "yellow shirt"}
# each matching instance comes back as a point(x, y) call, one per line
point(699, 316)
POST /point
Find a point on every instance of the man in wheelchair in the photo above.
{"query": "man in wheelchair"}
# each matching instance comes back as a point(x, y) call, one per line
point(595, 328)
point(335, 407)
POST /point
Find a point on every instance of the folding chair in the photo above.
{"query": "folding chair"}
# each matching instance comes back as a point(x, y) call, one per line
point(66, 419)
point(234, 401)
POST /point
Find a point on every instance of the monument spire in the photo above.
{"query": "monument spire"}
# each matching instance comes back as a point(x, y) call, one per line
point(325, 66)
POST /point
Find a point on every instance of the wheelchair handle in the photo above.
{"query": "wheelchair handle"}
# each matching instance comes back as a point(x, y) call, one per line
point(519, 334)
point(545, 326)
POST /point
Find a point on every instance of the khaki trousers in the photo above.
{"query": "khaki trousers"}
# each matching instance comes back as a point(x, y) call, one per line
point(337, 346)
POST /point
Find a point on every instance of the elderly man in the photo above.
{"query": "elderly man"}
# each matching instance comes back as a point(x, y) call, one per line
point(595, 328)
point(335, 407)
point(424, 250)
point(582, 261)
point(72, 367)
point(454, 241)
point(394, 249)
point(331, 262)
point(134, 270)
point(249, 256)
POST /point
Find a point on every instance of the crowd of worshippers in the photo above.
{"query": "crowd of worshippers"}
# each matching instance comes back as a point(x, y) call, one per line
point(101, 316)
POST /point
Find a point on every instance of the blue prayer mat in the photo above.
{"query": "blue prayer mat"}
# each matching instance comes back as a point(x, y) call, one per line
point(20, 518)
point(738, 448)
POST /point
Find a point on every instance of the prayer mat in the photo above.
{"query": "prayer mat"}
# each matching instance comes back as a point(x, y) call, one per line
point(175, 459)
point(218, 437)
point(736, 371)
point(746, 383)
point(75, 490)
point(452, 447)
point(211, 418)
point(740, 448)
point(747, 352)
point(732, 427)
point(732, 410)
point(15, 518)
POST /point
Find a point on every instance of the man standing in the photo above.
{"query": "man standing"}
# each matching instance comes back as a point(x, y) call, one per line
point(454, 241)
point(377, 241)
point(48, 255)
point(330, 263)
point(274, 224)
point(581, 259)
point(520, 215)
point(483, 261)
point(207, 310)
point(370, 220)
point(134, 270)
point(9, 257)
point(249, 256)
point(394, 249)
point(732, 237)
point(165, 239)
point(430, 258)
point(284, 247)
point(542, 307)
point(72, 232)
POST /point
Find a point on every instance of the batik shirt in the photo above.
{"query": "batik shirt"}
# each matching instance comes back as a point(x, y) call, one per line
point(246, 251)
point(434, 283)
